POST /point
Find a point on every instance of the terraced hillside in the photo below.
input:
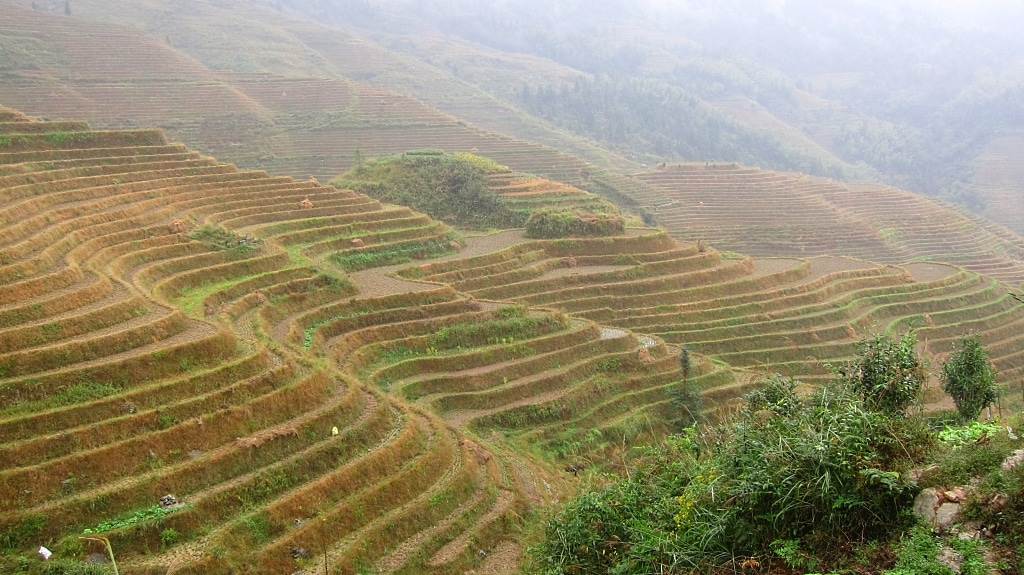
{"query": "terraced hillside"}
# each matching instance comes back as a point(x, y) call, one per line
point(174, 325)
point(306, 119)
point(998, 174)
point(255, 346)
point(767, 213)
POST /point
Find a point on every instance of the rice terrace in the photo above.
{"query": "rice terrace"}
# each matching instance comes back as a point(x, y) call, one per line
point(299, 301)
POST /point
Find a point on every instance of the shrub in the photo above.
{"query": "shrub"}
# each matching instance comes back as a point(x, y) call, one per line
point(887, 375)
point(450, 188)
point(809, 474)
point(551, 223)
point(969, 379)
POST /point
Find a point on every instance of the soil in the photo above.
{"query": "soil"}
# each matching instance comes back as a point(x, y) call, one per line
point(927, 272)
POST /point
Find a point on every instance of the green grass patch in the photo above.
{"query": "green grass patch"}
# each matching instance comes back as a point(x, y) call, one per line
point(387, 255)
point(81, 392)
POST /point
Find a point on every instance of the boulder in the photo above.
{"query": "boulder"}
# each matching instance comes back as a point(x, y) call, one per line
point(946, 515)
point(925, 504)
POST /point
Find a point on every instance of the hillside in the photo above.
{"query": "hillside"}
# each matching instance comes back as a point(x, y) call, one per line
point(768, 213)
point(251, 345)
point(311, 119)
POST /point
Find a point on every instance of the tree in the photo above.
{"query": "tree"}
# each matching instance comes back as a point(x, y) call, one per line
point(688, 397)
point(887, 375)
point(968, 378)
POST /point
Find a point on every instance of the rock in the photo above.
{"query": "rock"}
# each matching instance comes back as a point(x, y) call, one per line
point(168, 500)
point(194, 453)
point(946, 515)
point(998, 502)
point(1013, 460)
point(925, 504)
point(299, 552)
point(950, 558)
point(96, 558)
point(956, 495)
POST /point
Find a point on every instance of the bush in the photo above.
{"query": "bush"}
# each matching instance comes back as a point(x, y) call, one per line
point(551, 223)
point(969, 379)
point(810, 473)
point(887, 375)
point(450, 188)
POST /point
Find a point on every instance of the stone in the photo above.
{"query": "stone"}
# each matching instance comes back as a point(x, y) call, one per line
point(925, 504)
point(168, 500)
point(955, 495)
point(1013, 460)
point(950, 558)
point(946, 515)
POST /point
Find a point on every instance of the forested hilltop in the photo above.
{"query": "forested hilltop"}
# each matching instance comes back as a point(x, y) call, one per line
point(850, 89)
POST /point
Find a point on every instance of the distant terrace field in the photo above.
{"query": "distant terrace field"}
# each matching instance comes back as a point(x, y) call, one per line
point(766, 213)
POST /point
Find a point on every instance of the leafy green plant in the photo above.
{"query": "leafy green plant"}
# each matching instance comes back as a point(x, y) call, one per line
point(6, 141)
point(969, 379)
point(887, 375)
point(148, 514)
point(168, 537)
point(957, 437)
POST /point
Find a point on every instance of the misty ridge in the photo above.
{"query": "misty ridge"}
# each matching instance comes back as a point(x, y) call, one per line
point(905, 93)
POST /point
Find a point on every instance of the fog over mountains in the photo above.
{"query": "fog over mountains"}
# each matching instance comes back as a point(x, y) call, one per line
point(908, 93)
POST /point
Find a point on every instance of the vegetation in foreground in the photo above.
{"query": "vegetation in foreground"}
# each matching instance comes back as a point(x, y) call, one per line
point(792, 482)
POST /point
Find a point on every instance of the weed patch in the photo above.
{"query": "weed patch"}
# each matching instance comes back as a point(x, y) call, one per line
point(149, 514)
